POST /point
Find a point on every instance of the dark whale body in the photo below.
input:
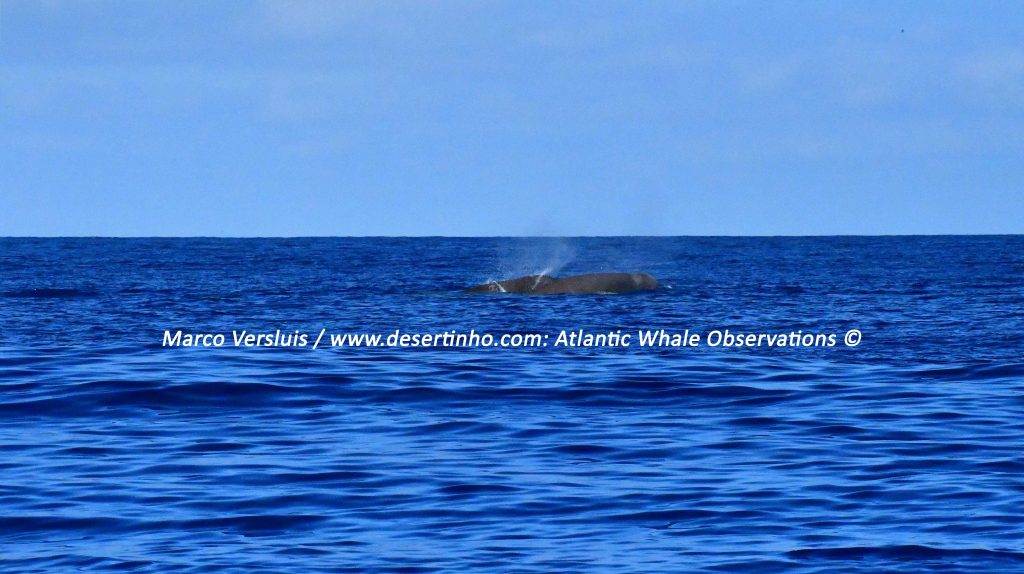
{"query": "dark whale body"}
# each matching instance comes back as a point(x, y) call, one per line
point(590, 283)
point(525, 284)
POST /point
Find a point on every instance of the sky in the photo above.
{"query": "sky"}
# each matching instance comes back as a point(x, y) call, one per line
point(322, 117)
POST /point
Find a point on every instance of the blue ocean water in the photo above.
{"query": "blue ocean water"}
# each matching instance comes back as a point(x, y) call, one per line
point(902, 454)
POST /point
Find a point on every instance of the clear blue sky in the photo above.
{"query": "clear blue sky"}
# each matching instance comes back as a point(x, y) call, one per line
point(510, 118)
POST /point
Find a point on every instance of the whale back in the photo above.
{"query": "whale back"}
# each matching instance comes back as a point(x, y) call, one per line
point(596, 283)
point(525, 284)
point(590, 283)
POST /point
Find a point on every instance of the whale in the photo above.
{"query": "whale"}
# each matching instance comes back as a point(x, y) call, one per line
point(586, 284)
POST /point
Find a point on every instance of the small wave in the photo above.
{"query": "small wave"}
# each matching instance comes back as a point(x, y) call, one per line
point(905, 552)
point(49, 293)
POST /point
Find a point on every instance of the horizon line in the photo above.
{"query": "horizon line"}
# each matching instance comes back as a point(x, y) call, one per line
point(736, 236)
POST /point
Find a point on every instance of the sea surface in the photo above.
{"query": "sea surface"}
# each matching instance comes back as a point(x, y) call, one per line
point(904, 453)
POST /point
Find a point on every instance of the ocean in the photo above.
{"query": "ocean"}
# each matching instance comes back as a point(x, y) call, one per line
point(902, 453)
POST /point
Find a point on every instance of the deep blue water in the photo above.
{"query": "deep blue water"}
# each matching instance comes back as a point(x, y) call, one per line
point(903, 454)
